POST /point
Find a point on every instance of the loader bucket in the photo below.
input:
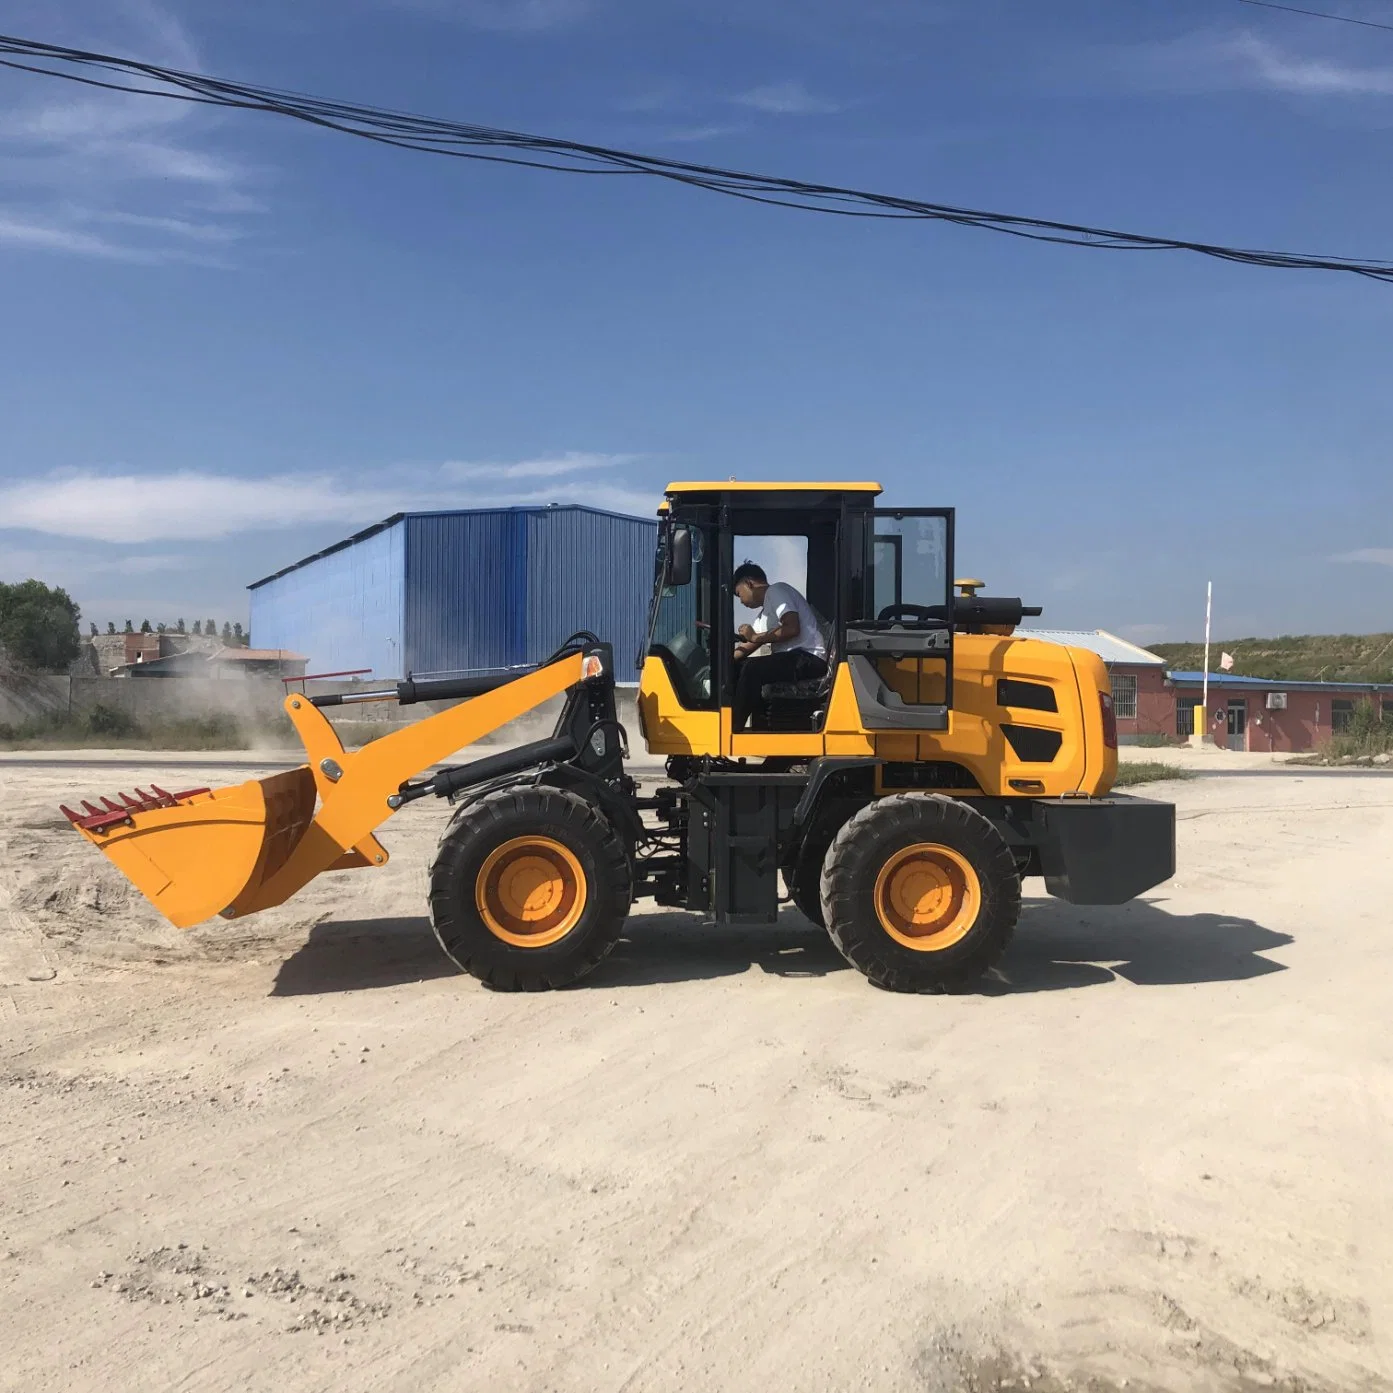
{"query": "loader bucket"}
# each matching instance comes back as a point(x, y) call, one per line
point(193, 854)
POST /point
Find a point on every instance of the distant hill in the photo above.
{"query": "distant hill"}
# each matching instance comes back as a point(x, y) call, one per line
point(1311, 657)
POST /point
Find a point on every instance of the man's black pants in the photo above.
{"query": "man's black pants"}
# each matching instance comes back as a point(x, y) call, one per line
point(764, 669)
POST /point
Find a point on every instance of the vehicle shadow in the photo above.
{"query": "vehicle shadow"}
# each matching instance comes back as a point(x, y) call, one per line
point(359, 955)
point(342, 955)
point(1057, 946)
point(678, 947)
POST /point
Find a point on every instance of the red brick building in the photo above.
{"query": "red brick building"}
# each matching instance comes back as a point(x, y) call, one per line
point(1258, 713)
point(1245, 713)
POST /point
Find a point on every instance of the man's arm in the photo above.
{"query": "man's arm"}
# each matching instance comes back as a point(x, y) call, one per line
point(787, 628)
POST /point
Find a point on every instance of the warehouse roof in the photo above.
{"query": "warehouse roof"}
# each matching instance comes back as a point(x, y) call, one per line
point(438, 513)
point(1108, 647)
point(1232, 679)
point(767, 486)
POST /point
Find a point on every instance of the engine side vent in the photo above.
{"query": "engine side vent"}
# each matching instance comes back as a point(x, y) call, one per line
point(1033, 745)
point(1025, 696)
point(931, 774)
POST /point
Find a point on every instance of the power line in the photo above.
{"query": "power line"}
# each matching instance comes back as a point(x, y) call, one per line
point(463, 140)
point(1317, 14)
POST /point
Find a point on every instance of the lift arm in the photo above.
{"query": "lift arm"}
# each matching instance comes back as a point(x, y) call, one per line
point(233, 851)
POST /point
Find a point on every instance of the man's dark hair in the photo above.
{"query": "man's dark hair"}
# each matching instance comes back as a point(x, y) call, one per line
point(749, 571)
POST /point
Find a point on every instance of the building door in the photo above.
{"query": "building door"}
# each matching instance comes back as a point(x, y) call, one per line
point(1237, 728)
point(1185, 716)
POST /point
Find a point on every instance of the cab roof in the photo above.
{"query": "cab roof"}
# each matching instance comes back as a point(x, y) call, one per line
point(769, 486)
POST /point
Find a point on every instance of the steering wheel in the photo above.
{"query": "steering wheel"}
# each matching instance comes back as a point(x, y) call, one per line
point(905, 611)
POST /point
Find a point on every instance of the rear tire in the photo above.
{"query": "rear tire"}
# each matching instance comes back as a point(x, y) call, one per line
point(920, 893)
point(530, 889)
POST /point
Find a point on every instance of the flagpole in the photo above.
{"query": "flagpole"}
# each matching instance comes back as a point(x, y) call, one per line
point(1204, 680)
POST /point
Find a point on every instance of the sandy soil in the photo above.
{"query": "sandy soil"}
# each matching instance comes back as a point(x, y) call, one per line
point(299, 1153)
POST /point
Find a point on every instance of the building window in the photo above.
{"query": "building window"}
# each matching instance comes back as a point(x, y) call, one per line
point(1341, 716)
point(1185, 715)
point(1124, 697)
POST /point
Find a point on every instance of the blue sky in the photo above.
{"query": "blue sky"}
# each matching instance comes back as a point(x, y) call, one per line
point(229, 340)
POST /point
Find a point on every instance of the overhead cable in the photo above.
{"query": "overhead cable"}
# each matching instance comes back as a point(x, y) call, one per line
point(464, 140)
point(1318, 14)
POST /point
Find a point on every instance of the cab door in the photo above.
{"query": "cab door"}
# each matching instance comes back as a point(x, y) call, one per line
point(899, 632)
point(678, 702)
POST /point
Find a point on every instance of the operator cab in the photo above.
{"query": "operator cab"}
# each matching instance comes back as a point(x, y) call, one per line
point(878, 580)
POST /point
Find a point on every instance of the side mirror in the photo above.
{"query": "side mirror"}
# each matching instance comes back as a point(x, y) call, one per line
point(679, 556)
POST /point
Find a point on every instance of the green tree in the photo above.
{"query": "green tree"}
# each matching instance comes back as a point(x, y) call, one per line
point(39, 625)
point(111, 626)
point(145, 627)
point(226, 632)
point(197, 627)
point(130, 628)
point(93, 627)
point(159, 628)
point(237, 634)
point(209, 628)
point(179, 626)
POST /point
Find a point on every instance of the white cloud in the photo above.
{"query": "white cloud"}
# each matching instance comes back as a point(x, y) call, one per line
point(19, 230)
point(551, 467)
point(1376, 556)
point(691, 135)
point(1222, 60)
point(190, 505)
point(785, 99)
point(503, 16)
point(116, 176)
point(1266, 64)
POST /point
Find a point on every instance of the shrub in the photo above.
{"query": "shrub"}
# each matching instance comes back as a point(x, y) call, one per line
point(111, 721)
point(1368, 734)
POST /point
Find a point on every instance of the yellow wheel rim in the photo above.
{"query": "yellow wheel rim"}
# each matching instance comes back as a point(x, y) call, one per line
point(927, 897)
point(530, 892)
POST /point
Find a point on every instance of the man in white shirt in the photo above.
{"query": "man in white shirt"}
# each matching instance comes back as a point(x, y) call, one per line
point(784, 644)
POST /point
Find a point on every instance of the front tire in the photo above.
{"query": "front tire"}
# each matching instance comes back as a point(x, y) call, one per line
point(920, 893)
point(530, 889)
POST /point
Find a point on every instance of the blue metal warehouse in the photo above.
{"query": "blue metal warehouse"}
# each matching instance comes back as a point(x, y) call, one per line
point(454, 592)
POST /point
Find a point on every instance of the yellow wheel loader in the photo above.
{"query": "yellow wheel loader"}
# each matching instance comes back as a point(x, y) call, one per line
point(899, 799)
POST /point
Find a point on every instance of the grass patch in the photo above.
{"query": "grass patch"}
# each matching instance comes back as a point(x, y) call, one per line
point(1148, 771)
point(1293, 657)
point(109, 727)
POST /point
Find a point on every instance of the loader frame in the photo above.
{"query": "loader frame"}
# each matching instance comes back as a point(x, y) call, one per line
point(890, 786)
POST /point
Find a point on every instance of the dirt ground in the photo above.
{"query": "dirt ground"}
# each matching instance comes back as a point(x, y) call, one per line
point(300, 1153)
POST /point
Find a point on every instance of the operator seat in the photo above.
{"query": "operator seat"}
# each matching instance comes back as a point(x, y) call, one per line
point(802, 705)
